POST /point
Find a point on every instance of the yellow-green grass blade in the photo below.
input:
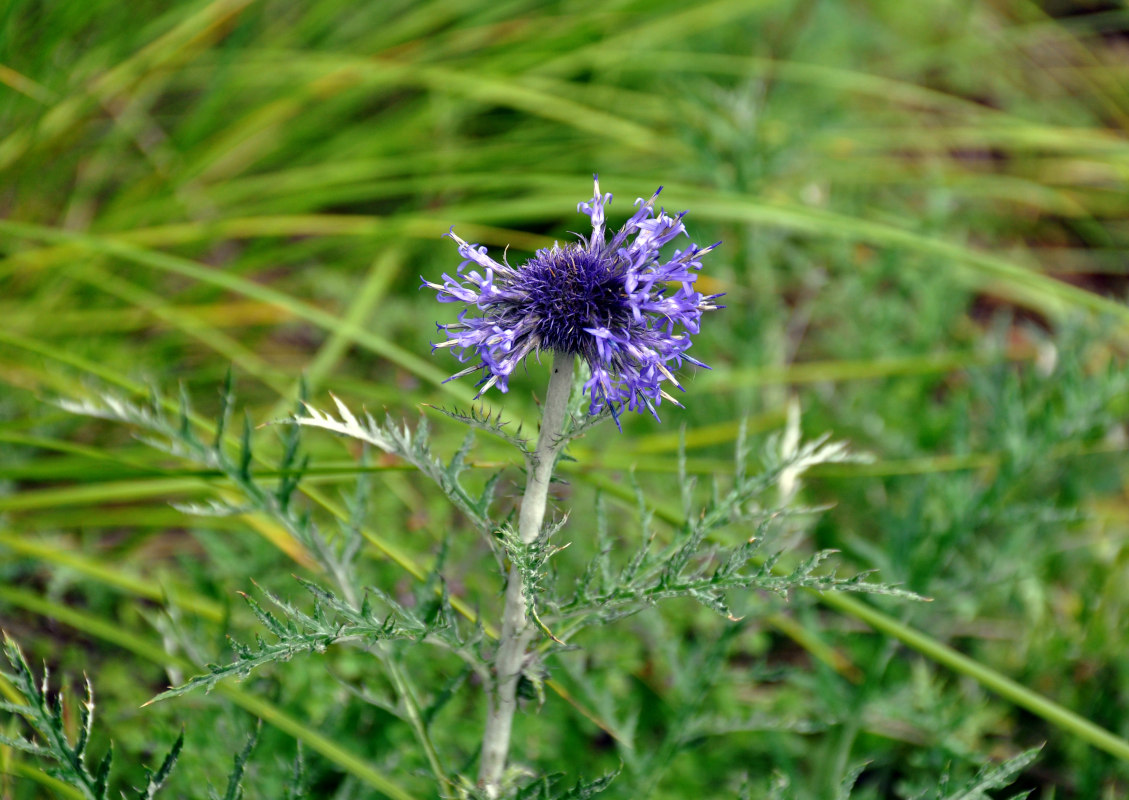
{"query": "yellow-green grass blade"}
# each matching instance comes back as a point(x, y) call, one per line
point(986, 270)
point(60, 554)
point(84, 452)
point(910, 136)
point(994, 681)
point(25, 85)
point(21, 770)
point(104, 492)
point(248, 140)
point(235, 283)
point(92, 321)
point(228, 348)
point(1049, 33)
point(647, 462)
point(672, 26)
point(722, 379)
point(70, 359)
point(1074, 201)
point(840, 80)
point(983, 270)
point(370, 293)
point(184, 41)
point(157, 519)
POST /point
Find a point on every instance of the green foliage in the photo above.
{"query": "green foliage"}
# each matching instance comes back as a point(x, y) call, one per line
point(43, 713)
point(689, 566)
point(331, 621)
point(922, 213)
point(491, 422)
point(234, 790)
point(692, 565)
point(998, 776)
point(549, 788)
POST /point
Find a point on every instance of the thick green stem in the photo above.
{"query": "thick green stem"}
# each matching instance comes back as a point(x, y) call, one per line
point(516, 629)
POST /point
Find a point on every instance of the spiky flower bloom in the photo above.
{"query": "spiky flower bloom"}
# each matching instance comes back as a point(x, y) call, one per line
point(616, 304)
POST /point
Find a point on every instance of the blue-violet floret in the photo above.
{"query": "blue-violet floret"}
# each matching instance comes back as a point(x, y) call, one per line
point(616, 304)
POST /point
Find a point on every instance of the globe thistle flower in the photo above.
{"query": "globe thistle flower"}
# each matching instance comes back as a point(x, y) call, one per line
point(617, 304)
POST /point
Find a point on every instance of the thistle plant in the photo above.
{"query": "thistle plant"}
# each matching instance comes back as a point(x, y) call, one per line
point(605, 302)
point(624, 309)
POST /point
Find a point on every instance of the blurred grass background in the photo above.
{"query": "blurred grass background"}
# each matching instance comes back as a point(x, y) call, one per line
point(923, 210)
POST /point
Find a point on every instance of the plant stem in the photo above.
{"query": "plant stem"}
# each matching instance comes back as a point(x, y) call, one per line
point(516, 629)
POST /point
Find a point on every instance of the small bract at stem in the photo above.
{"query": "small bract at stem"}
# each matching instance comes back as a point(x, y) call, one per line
point(516, 628)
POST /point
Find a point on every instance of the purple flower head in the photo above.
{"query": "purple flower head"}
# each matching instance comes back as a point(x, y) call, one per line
point(617, 304)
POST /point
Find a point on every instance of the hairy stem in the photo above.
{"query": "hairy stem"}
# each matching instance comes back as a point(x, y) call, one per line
point(516, 629)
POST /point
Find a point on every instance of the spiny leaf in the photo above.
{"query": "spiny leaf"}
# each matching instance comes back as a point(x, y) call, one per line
point(301, 633)
point(102, 775)
point(250, 660)
point(400, 441)
point(245, 450)
point(296, 787)
point(847, 785)
point(266, 618)
point(185, 414)
point(25, 746)
point(227, 400)
point(996, 777)
point(234, 780)
point(86, 722)
point(44, 714)
point(490, 422)
point(156, 781)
